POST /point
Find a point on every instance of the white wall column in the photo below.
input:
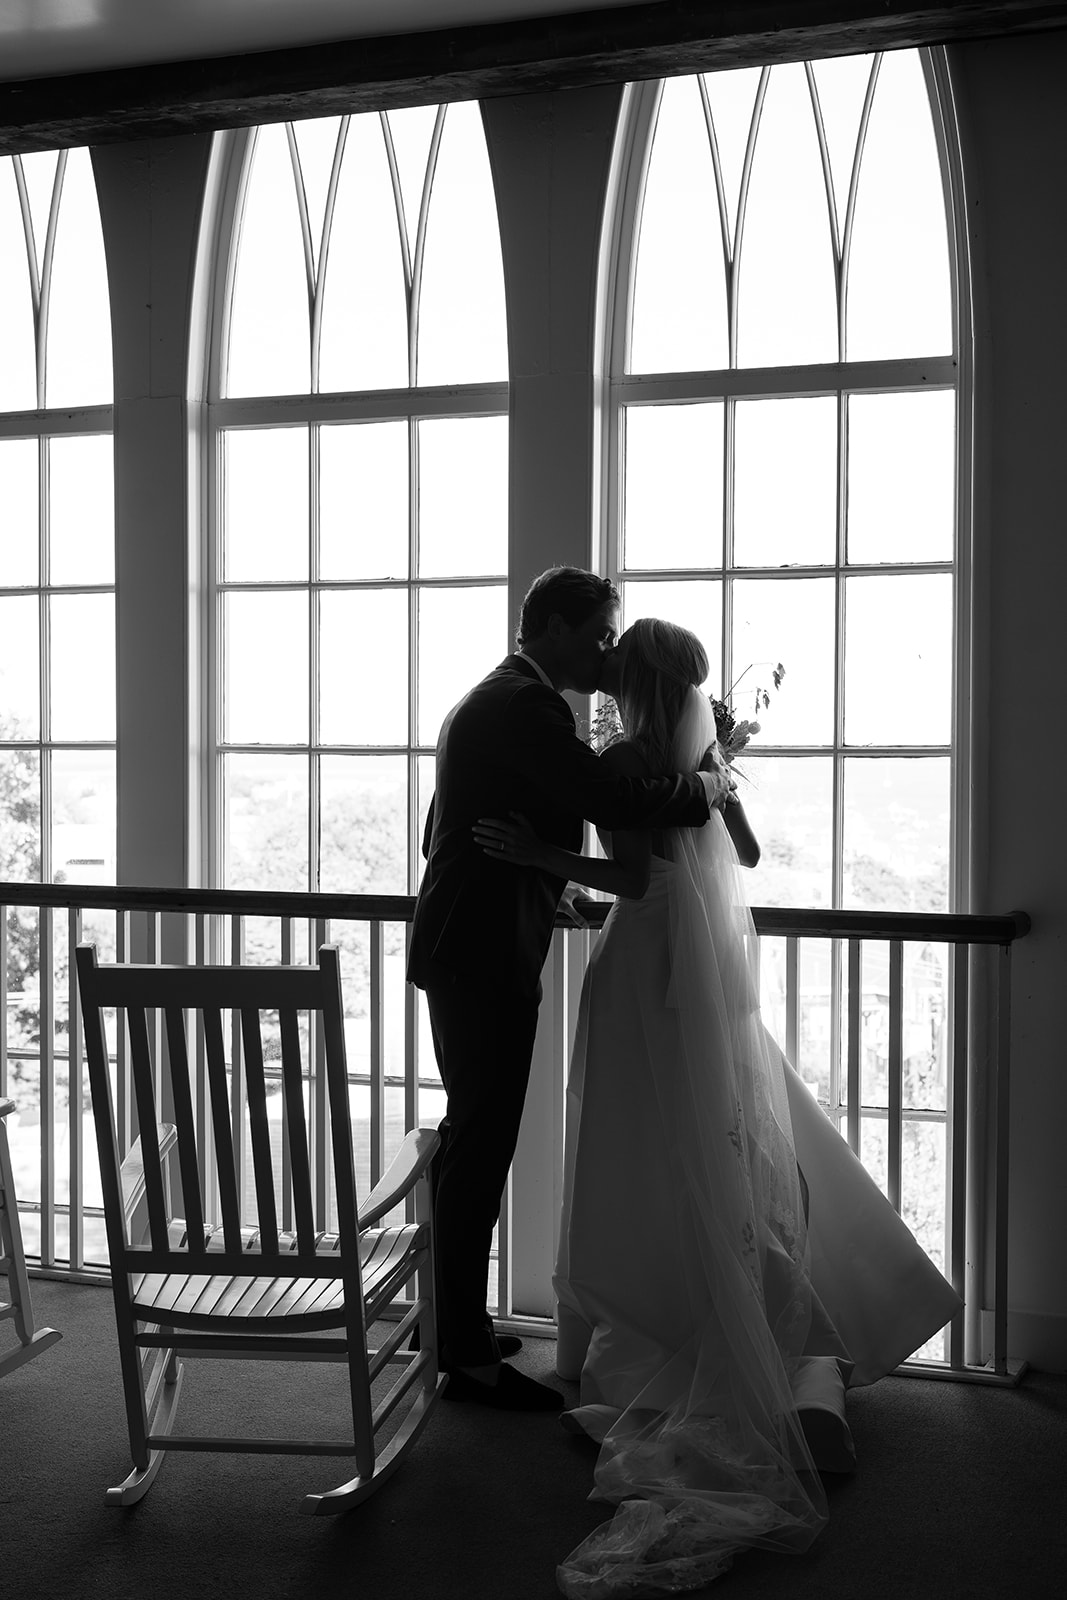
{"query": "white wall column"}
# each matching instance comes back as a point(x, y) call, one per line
point(1014, 137)
point(550, 156)
point(150, 197)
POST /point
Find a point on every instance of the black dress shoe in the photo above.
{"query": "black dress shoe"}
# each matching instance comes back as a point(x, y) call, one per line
point(508, 1344)
point(513, 1391)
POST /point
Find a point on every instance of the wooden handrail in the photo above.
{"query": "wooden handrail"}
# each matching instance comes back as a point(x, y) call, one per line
point(228, 902)
point(944, 927)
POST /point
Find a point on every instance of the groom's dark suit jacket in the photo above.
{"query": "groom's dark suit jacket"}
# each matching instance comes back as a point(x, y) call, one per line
point(511, 745)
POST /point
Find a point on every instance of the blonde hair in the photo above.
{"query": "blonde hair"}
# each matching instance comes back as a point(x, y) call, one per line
point(662, 663)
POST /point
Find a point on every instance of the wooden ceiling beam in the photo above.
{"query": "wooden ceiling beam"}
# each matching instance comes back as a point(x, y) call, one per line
point(567, 51)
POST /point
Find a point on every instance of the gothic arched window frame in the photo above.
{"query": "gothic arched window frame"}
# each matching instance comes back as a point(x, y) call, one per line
point(66, 441)
point(313, 411)
point(953, 370)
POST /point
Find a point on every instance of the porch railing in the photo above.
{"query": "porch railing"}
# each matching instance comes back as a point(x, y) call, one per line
point(847, 989)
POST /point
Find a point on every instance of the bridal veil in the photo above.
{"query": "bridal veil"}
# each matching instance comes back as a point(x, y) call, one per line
point(701, 1445)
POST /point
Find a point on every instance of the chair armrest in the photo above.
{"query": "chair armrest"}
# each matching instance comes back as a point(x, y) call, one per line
point(411, 1162)
point(6, 1106)
point(131, 1173)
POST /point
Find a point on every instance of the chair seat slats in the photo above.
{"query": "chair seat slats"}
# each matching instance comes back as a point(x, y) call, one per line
point(388, 1252)
point(296, 1300)
point(389, 1262)
point(211, 1291)
point(231, 1303)
point(190, 1296)
point(173, 1290)
point(199, 1300)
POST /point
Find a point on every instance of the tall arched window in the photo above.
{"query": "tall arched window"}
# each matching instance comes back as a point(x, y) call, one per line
point(57, 609)
point(784, 359)
point(57, 557)
point(358, 555)
point(360, 531)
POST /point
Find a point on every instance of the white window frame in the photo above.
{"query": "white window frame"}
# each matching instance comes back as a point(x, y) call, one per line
point(226, 190)
point(616, 389)
point(43, 424)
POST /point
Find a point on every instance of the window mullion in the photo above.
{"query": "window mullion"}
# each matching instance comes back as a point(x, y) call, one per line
point(413, 642)
point(380, 405)
point(891, 376)
point(742, 204)
point(215, 668)
point(314, 660)
point(840, 623)
point(44, 645)
point(850, 209)
point(729, 434)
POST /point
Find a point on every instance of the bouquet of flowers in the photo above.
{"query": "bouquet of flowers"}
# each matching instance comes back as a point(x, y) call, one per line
point(735, 732)
point(606, 727)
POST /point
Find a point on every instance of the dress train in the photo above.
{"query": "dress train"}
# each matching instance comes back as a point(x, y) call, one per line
point(712, 1323)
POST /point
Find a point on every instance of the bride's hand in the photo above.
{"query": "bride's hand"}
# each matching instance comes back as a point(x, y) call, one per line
point(570, 909)
point(714, 762)
point(514, 841)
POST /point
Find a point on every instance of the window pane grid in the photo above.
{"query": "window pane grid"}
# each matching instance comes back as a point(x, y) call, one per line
point(57, 565)
point(837, 486)
point(57, 642)
point(370, 536)
point(797, 188)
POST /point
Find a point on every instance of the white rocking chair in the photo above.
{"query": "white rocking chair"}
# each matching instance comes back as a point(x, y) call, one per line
point(206, 1283)
point(31, 1340)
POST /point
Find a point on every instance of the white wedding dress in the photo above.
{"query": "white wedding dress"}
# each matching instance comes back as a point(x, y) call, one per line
point(710, 1321)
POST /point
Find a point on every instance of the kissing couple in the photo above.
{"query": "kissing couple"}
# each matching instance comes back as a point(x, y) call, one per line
point(726, 1266)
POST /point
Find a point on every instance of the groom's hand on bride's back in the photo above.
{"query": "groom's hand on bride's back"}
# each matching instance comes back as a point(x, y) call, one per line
point(512, 841)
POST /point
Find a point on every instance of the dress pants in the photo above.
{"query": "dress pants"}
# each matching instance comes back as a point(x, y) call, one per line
point(483, 1039)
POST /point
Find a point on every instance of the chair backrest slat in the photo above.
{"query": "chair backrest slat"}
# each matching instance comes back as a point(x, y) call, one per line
point(103, 1098)
point(181, 1091)
point(208, 1166)
point(144, 1093)
point(296, 1123)
point(259, 1127)
point(226, 1168)
point(340, 1114)
point(228, 988)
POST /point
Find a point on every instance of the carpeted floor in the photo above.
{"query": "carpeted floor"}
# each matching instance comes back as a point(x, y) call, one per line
point(959, 1495)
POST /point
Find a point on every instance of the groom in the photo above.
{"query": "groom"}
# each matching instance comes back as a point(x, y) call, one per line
point(481, 932)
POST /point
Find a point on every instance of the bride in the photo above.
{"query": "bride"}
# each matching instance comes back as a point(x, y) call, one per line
point(725, 1263)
